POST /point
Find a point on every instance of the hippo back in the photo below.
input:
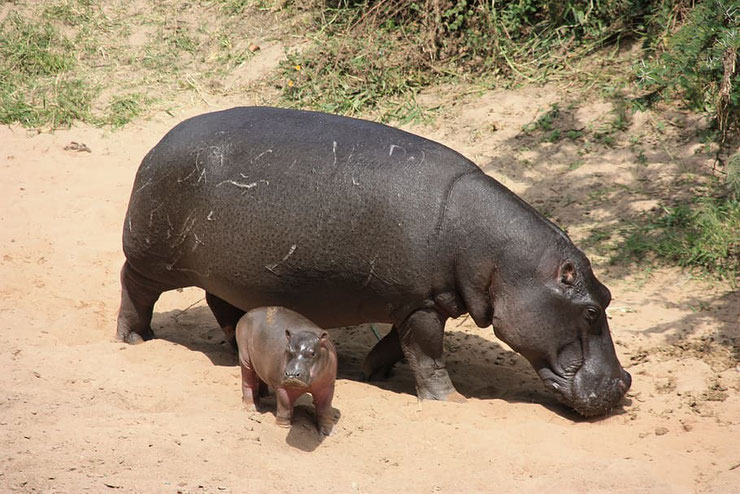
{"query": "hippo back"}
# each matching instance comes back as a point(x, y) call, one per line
point(264, 206)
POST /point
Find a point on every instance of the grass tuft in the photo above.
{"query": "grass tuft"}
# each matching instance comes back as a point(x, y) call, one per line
point(702, 234)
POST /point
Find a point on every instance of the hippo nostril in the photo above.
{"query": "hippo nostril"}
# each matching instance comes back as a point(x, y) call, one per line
point(623, 386)
point(625, 382)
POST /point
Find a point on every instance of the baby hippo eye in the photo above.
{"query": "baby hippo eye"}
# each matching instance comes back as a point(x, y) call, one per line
point(311, 354)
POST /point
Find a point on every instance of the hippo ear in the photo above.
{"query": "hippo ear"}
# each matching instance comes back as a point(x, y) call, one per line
point(567, 273)
point(324, 337)
point(287, 334)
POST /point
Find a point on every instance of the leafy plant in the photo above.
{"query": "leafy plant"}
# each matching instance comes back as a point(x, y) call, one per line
point(699, 63)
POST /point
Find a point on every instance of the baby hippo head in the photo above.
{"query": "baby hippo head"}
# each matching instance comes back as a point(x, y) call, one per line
point(306, 354)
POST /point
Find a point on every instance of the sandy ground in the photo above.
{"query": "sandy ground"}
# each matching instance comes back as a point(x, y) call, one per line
point(80, 412)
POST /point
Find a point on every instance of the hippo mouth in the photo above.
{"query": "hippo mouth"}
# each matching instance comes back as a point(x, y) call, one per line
point(577, 388)
point(293, 383)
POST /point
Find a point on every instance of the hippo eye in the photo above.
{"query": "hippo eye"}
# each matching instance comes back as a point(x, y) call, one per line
point(592, 313)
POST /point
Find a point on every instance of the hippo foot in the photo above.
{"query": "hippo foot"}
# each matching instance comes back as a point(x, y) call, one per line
point(326, 430)
point(282, 422)
point(250, 406)
point(134, 338)
point(456, 397)
point(437, 386)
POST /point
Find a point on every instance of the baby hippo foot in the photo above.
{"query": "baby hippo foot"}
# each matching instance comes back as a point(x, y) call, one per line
point(251, 405)
point(282, 421)
point(326, 428)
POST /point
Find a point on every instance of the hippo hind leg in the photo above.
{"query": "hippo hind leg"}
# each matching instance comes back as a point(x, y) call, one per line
point(383, 357)
point(227, 316)
point(138, 295)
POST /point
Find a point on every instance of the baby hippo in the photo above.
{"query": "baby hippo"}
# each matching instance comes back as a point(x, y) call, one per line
point(292, 355)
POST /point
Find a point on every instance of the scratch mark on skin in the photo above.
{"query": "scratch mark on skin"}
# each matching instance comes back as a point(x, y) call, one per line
point(232, 182)
point(147, 183)
point(372, 271)
point(197, 242)
point(169, 227)
point(262, 154)
point(129, 223)
point(151, 214)
point(334, 150)
point(351, 153)
point(241, 185)
point(354, 181)
point(271, 267)
point(210, 216)
point(184, 179)
point(393, 148)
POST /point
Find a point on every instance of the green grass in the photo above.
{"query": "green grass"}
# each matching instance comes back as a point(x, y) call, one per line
point(36, 85)
point(28, 49)
point(63, 61)
point(123, 109)
point(702, 234)
point(321, 79)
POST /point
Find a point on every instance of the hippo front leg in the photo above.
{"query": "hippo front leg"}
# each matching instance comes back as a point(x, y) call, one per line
point(422, 335)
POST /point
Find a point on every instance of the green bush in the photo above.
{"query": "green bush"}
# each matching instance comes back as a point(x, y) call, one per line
point(372, 50)
point(699, 63)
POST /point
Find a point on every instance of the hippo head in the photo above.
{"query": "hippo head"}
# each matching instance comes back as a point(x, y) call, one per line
point(555, 316)
point(304, 355)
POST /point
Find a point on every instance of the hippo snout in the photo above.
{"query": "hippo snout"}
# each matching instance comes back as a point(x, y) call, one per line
point(592, 396)
point(588, 393)
point(295, 374)
point(624, 382)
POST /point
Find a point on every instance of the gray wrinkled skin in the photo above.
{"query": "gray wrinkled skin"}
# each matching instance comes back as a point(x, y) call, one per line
point(347, 221)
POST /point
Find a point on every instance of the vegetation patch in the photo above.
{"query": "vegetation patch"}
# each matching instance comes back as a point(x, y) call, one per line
point(36, 87)
point(699, 234)
point(78, 60)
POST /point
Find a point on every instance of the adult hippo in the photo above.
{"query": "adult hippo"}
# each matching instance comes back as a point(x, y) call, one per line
point(348, 221)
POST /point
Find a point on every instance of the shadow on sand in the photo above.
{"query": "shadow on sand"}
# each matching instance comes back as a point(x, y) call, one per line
point(479, 368)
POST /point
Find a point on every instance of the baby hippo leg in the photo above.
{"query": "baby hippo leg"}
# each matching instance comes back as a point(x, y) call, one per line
point(284, 407)
point(324, 411)
point(250, 385)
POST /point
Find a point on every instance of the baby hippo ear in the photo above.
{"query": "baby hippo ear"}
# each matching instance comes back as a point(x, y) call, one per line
point(324, 337)
point(287, 334)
